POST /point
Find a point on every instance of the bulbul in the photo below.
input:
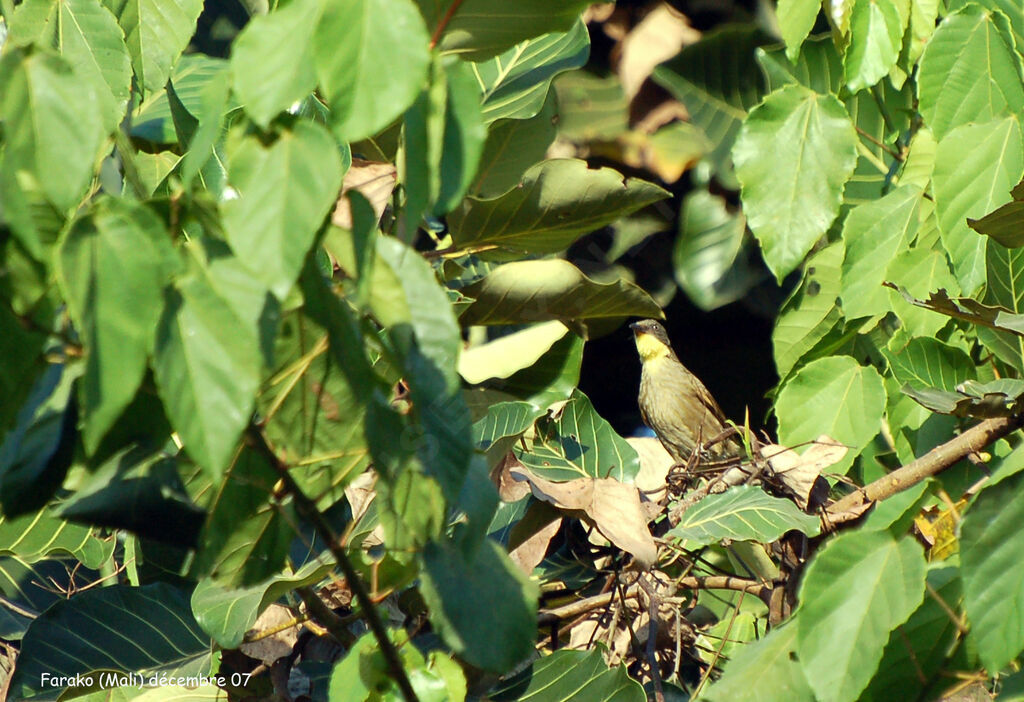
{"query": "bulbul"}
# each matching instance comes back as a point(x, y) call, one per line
point(673, 401)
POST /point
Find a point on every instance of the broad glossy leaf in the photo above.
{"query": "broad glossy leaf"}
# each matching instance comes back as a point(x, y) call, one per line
point(1010, 8)
point(65, 640)
point(113, 266)
point(156, 32)
point(515, 84)
point(565, 675)
point(1004, 281)
point(970, 71)
point(876, 35)
point(719, 81)
point(856, 590)
point(875, 232)
point(481, 29)
point(810, 312)
point(556, 203)
point(976, 165)
point(796, 19)
point(743, 513)
point(992, 576)
point(502, 426)
point(793, 156)
point(482, 606)
point(834, 396)
point(510, 353)
point(591, 107)
point(210, 113)
point(207, 365)
point(927, 362)
point(772, 662)
point(536, 291)
point(576, 442)
point(272, 60)
point(819, 67)
point(710, 239)
point(153, 121)
point(87, 35)
point(920, 271)
point(371, 57)
point(512, 146)
point(285, 190)
point(33, 537)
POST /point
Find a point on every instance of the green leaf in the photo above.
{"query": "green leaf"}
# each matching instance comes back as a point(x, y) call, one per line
point(33, 537)
point(591, 108)
point(710, 239)
point(371, 58)
point(920, 271)
point(793, 156)
point(927, 362)
point(482, 606)
point(153, 120)
point(510, 353)
point(576, 442)
point(207, 366)
point(52, 131)
point(537, 291)
point(874, 232)
point(772, 663)
point(272, 60)
point(566, 674)
point(862, 586)
point(718, 80)
point(819, 67)
point(87, 35)
point(876, 35)
point(796, 19)
point(993, 579)
point(226, 614)
point(65, 640)
point(512, 146)
point(156, 32)
point(481, 29)
point(810, 312)
point(21, 350)
point(285, 190)
point(970, 71)
point(556, 203)
point(515, 84)
point(502, 426)
point(1004, 281)
point(1005, 224)
point(113, 266)
point(743, 513)
point(833, 396)
point(213, 103)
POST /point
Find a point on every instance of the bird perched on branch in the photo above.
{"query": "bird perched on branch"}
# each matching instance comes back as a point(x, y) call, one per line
point(675, 404)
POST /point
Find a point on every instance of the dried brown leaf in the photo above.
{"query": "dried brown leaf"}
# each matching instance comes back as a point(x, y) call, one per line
point(799, 472)
point(374, 180)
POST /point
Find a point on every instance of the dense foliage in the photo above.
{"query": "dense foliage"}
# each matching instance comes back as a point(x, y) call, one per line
point(290, 338)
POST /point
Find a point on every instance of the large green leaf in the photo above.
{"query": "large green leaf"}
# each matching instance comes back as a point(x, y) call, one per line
point(990, 538)
point(512, 146)
point(834, 396)
point(66, 640)
point(482, 29)
point(576, 442)
point(793, 156)
point(876, 35)
point(919, 271)
point(1004, 288)
point(285, 189)
point(515, 84)
point(857, 589)
point(113, 266)
point(371, 57)
point(33, 537)
point(743, 513)
point(719, 81)
point(976, 165)
point(87, 35)
point(156, 32)
point(571, 675)
point(710, 239)
point(820, 66)
point(207, 365)
point(482, 606)
point(970, 71)
point(796, 19)
point(272, 60)
point(874, 232)
point(772, 663)
point(557, 201)
point(153, 121)
point(927, 362)
point(537, 291)
point(52, 134)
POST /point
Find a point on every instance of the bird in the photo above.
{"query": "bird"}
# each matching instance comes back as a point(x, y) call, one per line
point(675, 404)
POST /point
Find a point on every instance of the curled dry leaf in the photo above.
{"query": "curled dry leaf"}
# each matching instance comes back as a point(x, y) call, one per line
point(268, 647)
point(530, 537)
point(374, 180)
point(509, 488)
point(655, 463)
point(658, 37)
point(612, 507)
point(799, 472)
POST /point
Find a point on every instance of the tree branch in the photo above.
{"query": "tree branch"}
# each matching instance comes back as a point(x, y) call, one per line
point(931, 463)
point(308, 509)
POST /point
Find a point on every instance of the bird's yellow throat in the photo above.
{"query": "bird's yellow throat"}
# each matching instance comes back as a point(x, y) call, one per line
point(649, 348)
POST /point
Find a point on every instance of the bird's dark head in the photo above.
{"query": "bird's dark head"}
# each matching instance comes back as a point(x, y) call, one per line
point(651, 339)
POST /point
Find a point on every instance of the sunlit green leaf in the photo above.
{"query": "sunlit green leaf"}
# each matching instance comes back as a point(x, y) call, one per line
point(743, 513)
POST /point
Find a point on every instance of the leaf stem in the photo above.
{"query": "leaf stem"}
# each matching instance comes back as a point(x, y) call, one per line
point(443, 24)
point(308, 509)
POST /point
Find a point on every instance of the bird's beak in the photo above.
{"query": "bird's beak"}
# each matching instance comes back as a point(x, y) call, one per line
point(635, 326)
